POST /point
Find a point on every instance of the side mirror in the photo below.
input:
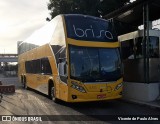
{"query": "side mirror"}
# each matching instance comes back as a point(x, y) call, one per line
point(62, 68)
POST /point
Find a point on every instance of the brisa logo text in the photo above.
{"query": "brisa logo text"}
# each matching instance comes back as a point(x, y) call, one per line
point(89, 32)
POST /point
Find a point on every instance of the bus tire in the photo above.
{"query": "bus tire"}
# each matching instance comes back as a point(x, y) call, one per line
point(52, 92)
point(25, 83)
point(22, 81)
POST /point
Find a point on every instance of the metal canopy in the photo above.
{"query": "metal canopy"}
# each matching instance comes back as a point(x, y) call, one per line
point(133, 13)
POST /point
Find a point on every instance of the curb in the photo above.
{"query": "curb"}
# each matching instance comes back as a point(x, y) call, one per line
point(150, 104)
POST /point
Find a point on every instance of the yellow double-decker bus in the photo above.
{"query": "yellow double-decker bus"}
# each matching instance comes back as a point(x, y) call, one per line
point(74, 58)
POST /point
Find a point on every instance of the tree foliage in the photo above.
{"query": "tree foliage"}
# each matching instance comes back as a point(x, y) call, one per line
point(88, 7)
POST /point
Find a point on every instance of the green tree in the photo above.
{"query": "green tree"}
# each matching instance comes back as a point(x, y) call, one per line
point(88, 7)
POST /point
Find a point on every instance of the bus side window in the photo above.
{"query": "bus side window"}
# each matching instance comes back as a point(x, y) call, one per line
point(153, 47)
point(127, 49)
point(28, 66)
point(138, 46)
point(38, 66)
point(45, 66)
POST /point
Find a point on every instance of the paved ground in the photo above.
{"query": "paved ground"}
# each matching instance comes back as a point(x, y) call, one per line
point(29, 102)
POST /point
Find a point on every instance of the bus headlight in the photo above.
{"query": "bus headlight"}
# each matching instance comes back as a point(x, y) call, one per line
point(118, 86)
point(77, 87)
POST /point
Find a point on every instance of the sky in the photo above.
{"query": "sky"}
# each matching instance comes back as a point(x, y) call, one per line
point(18, 20)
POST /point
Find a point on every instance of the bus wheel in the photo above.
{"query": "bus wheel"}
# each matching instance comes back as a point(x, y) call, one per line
point(52, 95)
point(25, 83)
point(22, 81)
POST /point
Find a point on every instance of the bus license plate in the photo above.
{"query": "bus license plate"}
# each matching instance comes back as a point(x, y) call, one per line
point(101, 96)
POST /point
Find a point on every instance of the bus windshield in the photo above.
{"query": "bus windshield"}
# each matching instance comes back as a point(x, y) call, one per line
point(94, 64)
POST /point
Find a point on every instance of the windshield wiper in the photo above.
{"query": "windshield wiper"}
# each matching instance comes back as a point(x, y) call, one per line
point(100, 80)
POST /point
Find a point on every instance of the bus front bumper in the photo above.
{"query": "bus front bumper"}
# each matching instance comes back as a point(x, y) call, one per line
point(93, 96)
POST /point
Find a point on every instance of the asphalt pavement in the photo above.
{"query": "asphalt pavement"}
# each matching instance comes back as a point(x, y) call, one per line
point(31, 103)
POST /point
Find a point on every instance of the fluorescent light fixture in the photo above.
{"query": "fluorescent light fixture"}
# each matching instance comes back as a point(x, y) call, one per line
point(132, 1)
point(125, 14)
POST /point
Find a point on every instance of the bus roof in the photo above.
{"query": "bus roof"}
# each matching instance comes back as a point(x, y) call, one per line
point(45, 34)
point(138, 33)
point(54, 32)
